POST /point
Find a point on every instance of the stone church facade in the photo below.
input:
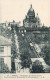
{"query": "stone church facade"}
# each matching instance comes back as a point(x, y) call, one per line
point(31, 20)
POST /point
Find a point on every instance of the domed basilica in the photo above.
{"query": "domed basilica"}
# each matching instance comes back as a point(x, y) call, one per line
point(31, 20)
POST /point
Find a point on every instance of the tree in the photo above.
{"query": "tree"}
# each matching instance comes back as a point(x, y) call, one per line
point(46, 38)
point(46, 53)
point(25, 60)
point(13, 48)
point(37, 39)
point(4, 69)
point(37, 67)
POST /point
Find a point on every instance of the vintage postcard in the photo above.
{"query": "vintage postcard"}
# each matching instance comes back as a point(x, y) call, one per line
point(24, 39)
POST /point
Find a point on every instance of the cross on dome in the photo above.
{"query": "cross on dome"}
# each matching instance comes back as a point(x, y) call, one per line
point(31, 9)
point(31, 6)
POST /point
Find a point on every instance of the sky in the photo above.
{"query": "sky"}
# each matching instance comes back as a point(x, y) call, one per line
point(17, 10)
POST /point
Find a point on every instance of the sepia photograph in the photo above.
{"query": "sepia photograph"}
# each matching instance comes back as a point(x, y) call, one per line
point(24, 36)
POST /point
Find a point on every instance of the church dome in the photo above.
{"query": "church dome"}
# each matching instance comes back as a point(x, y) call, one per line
point(31, 12)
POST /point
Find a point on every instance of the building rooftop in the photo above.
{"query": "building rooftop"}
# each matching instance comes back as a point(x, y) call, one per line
point(4, 41)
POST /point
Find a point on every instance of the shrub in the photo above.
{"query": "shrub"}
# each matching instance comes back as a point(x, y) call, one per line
point(37, 67)
point(25, 60)
point(46, 53)
point(4, 69)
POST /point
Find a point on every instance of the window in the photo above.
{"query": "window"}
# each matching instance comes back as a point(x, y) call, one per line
point(38, 22)
point(36, 26)
point(1, 63)
point(1, 60)
point(1, 49)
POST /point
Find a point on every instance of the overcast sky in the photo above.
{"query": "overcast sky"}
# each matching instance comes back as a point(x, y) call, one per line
point(17, 9)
